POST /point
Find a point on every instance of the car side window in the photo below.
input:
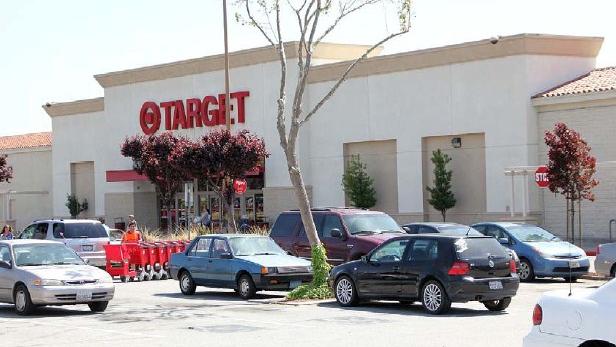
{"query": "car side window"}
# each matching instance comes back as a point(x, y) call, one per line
point(28, 232)
point(426, 230)
point(41, 232)
point(495, 232)
point(332, 221)
point(219, 246)
point(318, 222)
point(480, 228)
point(5, 254)
point(390, 252)
point(423, 250)
point(58, 230)
point(201, 248)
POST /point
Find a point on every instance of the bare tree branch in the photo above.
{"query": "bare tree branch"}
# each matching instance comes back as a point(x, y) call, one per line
point(346, 73)
point(344, 11)
point(256, 24)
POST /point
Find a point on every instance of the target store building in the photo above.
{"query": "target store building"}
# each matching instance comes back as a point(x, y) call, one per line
point(484, 103)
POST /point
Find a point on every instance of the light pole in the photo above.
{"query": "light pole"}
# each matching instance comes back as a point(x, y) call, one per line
point(227, 101)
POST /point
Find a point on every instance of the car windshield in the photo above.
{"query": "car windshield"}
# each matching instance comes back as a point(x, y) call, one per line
point(531, 233)
point(459, 230)
point(84, 230)
point(371, 224)
point(45, 254)
point(243, 246)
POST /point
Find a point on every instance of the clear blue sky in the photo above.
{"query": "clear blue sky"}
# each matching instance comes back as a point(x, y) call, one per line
point(51, 49)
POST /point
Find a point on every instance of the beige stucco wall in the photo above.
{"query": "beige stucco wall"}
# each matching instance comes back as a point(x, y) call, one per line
point(380, 158)
point(597, 125)
point(82, 186)
point(30, 187)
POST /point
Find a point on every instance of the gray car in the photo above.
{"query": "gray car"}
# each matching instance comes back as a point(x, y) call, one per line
point(37, 273)
point(605, 262)
point(84, 236)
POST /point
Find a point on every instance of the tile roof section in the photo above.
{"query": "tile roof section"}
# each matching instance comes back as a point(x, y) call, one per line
point(25, 141)
point(598, 80)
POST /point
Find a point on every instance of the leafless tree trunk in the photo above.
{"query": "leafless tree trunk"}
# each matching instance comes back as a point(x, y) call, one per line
point(266, 17)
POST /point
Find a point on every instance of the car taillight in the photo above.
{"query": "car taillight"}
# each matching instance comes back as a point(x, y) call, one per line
point(512, 267)
point(459, 268)
point(537, 315)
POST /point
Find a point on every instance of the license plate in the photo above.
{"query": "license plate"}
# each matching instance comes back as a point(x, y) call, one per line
point(295, 284)
point(84, 295)
point(87, 248)
point(495, 285)
point(574, 264)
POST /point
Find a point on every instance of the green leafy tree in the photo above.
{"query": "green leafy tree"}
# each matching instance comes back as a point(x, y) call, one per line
point(74, 206)
point(358, 185)
point(441, 196)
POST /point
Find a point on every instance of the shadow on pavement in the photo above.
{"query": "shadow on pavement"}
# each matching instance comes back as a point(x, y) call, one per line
point(8, 311)
point(220, 295)
point(412, 310)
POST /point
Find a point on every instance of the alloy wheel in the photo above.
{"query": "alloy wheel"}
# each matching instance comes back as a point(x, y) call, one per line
point(344, 291)
point(524, 270)
point(432, 297)
point(244, 287)
point(185, 283)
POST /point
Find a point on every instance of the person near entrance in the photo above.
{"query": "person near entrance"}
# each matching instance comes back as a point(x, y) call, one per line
point(131, 234)
point(7, 233)
point(206, 218)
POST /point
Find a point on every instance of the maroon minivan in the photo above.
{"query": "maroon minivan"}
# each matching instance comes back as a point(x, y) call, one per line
point(346, 233)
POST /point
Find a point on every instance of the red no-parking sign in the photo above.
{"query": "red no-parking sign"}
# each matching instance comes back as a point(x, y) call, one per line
point(541, 177)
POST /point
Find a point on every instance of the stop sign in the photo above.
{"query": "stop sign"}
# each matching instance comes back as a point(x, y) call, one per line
point(240, 186)
point(541, 177)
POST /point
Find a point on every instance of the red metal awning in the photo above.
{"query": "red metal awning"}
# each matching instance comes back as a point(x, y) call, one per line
point(124, 176)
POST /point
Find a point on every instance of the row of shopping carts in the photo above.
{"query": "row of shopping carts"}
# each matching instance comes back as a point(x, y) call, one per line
point(142, 261)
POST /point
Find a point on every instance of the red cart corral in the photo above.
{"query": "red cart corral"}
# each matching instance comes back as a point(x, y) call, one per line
point(118, 262)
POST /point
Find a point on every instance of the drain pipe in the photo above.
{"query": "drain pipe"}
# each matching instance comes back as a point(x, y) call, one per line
point(611, 221)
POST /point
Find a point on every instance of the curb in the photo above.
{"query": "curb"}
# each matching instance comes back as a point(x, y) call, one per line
point(303, 302)
point(593, 277)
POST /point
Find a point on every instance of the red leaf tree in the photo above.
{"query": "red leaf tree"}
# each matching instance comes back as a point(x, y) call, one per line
point(570, 170)
point(6, 171)
point(219, 158)
point(155, 157)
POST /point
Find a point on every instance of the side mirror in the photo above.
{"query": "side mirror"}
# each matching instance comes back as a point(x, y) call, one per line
point(503, 241)
point(407, 229)
point(5, 264)
point(336, 233)
point(226, 255)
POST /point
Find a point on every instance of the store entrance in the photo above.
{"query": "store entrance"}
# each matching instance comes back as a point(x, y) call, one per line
point(248, 208)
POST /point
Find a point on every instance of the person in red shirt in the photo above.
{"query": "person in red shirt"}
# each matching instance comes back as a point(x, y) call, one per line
point(131, 234)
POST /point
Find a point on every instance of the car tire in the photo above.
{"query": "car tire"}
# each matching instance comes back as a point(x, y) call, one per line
point(98, 306)
point(187, 285)
point(124, 279)
point(346, 292)
point(246, 288)
point(434, 298)
point(497, 305)
point(571, 279)
point(527, 274)
point(22, 300)
point(613, 271)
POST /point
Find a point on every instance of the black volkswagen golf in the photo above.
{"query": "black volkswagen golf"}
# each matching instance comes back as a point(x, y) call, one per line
point(432, 268)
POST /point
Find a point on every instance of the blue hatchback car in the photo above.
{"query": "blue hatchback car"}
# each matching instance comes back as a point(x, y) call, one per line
point(246, 263)
point(541, 253)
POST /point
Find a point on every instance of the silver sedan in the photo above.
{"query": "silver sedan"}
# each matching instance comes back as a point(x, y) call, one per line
point(38, 273)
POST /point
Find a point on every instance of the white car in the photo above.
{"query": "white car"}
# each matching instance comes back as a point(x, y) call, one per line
point(586, 318)
point(38, 272)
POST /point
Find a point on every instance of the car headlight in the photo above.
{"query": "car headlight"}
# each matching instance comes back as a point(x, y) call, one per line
point(268, 270)
point(45, 282)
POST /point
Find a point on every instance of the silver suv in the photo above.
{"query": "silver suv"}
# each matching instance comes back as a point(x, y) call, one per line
point(86, 237)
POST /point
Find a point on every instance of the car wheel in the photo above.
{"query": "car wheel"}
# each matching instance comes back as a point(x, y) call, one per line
point(434, 298)
point(571, 279)
point(246, 287)
point(187, 285)
point(22, 300)
point(98, 306)
point(345, 292)
point(526, 271)
point(124, 279)
point(497, 305)
point(613, 271)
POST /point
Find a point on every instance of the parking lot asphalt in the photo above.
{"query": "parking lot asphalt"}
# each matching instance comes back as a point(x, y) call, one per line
point(156, 314)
